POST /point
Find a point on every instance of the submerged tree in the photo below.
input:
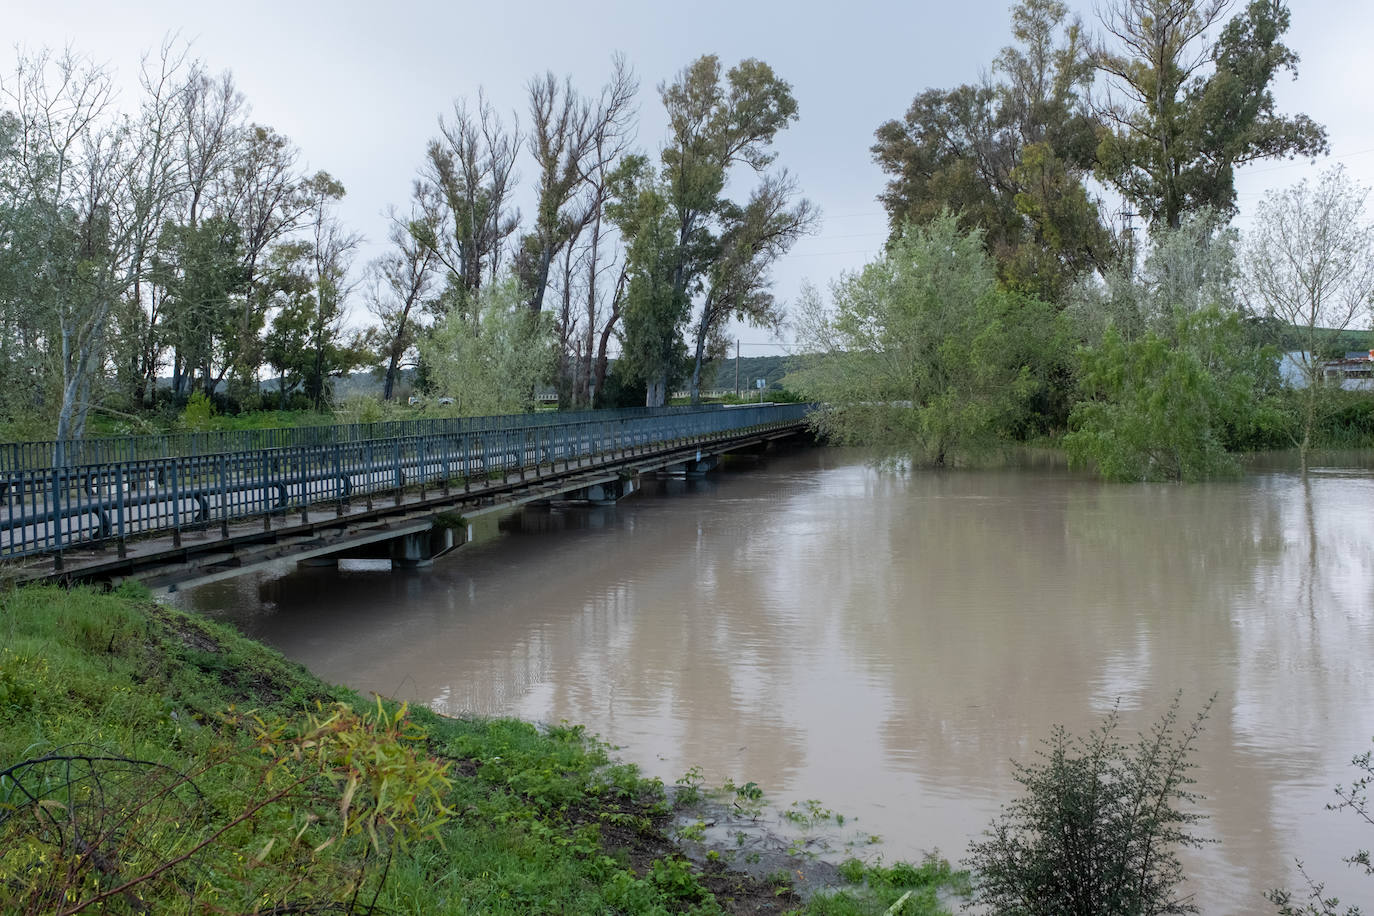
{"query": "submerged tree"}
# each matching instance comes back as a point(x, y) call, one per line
point(923, 350)
point(1171, 377)
point(1172, 406)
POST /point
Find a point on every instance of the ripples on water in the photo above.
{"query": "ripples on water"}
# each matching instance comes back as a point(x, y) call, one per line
point(887, 642)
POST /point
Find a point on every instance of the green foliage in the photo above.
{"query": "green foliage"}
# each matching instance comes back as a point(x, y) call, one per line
point(199, 414)
point(361, 409)
point(1168, 408)
point(681, 231)
point(689, 788)
point(901, 888)
point(655, 313)
point(1097, 831)
point(1178, 136)
point(490, 359)
point(1009, 156)
point(924, 352)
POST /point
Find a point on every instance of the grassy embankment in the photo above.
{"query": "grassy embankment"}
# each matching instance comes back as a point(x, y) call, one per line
point(156, 762)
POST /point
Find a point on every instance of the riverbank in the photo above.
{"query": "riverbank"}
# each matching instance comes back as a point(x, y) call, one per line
point(153, 761)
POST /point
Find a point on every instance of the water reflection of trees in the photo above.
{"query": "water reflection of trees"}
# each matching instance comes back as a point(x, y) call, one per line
point(1028, 599)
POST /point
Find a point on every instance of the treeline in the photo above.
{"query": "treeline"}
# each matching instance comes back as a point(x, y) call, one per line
point(184, 240)
point(1012, 303)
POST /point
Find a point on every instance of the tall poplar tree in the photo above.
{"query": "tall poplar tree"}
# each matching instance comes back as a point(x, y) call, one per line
point(1183, 115)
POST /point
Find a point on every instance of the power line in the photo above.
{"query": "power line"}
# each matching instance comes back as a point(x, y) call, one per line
point(856, 235)
point(1294, 165)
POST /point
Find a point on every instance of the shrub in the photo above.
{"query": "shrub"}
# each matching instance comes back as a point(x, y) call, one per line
point(1097, 830)
point(198, 415)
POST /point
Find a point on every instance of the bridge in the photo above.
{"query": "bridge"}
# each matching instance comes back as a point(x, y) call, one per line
point(195, 507)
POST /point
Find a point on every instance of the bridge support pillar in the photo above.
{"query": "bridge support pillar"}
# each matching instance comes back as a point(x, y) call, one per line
point(416, 551)
point(697, 467)
point(607, 493)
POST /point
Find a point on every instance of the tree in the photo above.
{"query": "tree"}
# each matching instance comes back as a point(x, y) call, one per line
point(577, 143)
point(1169, 407)
point(1310, 261)
point(738, 284)
point(270, 200)
point(490, 359)
point(611, 137)
point(471, 170)
point(286, 348)
point(328, 256)
point(924, 352)
point(716, 120)
point(401, 283)
point(202, 278)
point(1097, 830)
point(560, 134)
point(1171, 377)
point(1009, 156)
point(97, 188)
point(1183, 116)
point(651, 340)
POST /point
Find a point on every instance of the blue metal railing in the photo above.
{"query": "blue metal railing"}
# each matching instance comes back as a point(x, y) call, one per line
point(48, 509)
point(36, 455)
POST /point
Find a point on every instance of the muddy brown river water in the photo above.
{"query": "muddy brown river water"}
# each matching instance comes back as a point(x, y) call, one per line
point(887, 642)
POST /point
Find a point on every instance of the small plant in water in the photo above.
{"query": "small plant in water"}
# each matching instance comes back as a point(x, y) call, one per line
point(811, 814)
point(694, 832)
point(689, 788)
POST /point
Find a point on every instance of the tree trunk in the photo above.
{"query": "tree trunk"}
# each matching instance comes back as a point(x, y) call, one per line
point(585, 394)
point(656, 393)
point(388, 386)
point(703, 328)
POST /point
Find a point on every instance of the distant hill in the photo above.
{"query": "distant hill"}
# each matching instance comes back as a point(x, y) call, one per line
point(721, 373)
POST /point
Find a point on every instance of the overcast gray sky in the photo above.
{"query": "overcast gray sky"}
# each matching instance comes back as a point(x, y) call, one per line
point(359, 86)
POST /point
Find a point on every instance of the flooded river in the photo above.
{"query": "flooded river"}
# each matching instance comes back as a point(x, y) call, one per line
point(887, 642)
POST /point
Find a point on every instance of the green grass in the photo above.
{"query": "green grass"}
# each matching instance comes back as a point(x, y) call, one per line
point(191, 770)
point(878, 888)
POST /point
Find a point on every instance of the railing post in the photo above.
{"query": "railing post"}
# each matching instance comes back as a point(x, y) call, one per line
point(303, 475)
point(445, 440)
point(224, 497)
point(343, 487)
point(176, 503)
point(420, 453)
point(369, 473)
point(265, 477)
point(466, 439)
point(57, 518)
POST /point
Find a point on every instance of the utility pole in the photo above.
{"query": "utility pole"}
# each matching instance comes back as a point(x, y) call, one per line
point(1127, 216)
point(737, 368)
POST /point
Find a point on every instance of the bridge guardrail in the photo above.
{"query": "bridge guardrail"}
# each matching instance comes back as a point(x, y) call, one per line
point(17, 456)
point(46, 510)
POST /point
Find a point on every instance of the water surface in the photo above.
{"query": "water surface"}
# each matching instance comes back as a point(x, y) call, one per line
point(888, 642)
